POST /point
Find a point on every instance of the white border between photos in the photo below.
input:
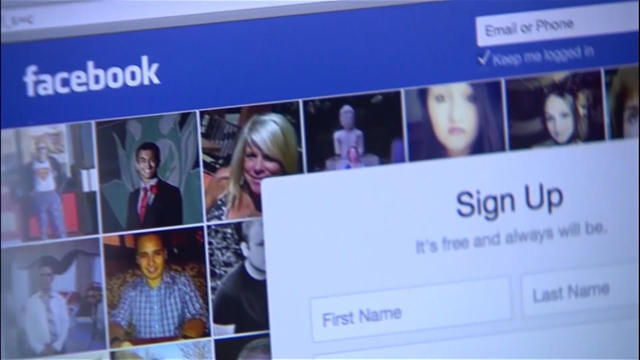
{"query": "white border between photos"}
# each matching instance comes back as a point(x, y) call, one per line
point(94, 139)
point(505, 121)
point(164, 343)
point(303, 136)
point(240, 335)
point(605, 105)
point(405, 125)
point(205, 235)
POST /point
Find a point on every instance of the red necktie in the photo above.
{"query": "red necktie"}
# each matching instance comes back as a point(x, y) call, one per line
point(143, 203)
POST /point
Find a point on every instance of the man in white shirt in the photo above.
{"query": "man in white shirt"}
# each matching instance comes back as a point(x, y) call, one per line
point(46, 316)
point(45, 178)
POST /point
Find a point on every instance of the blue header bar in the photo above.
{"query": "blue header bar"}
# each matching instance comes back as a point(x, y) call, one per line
point(244, 62)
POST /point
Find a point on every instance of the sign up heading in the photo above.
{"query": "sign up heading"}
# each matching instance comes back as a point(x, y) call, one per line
point(490, 206)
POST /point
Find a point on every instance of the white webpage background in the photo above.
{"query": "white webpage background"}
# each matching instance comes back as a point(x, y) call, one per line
point(352, 232)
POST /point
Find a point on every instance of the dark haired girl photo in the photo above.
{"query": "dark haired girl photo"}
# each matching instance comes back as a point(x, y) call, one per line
point(454, 120)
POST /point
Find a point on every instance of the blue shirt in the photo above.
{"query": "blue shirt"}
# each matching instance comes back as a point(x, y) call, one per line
point(159, 312)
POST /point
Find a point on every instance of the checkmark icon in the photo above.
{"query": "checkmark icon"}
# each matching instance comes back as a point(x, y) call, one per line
point(485, 57)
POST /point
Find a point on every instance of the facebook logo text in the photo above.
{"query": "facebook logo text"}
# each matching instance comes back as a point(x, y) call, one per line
point(93, 79)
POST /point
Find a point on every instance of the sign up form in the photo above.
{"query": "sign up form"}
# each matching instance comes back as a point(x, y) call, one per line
point(515, 254)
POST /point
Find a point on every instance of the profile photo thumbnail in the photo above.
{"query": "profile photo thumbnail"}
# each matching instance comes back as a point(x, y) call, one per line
point(49, 183)
point(622, 97)
point(555, 109)
point(52, 301)
point(156, 287)
point(354, 131)
point(149, 172)
point(243, 146)
point(455, 119)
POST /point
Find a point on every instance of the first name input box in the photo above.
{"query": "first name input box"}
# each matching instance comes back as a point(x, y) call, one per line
point(410, 309)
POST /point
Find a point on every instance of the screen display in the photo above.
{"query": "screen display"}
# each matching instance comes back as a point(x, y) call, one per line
point(438, 179)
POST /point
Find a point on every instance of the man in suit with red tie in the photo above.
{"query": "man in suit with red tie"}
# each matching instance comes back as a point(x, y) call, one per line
point(155, 203)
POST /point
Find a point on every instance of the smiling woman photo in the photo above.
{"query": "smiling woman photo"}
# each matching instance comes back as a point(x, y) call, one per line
point(456, 119)
point(266, 146)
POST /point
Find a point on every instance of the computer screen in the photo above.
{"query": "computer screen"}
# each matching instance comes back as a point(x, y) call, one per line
point(319, 179)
